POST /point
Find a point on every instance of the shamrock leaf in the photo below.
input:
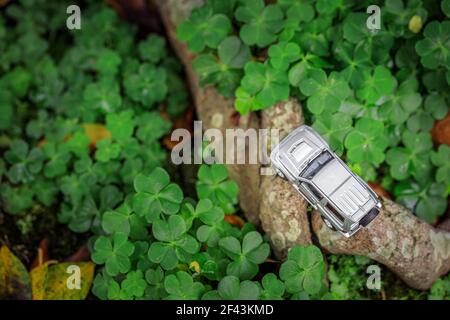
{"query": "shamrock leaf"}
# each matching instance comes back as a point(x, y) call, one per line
point(324, 92)
point(283, 54)
point(108, 62)
point(148, 86)
point(246, 257)
point(426, 200)
point(273, 289)
point(211, 234)
point(436, 106)
point(152, 49)
point(213, 184)
point(230, 288)
point(72, 187)
point(441, 159)
point(204, 29)
point(181, 286)
point(58, 159)
point(121, 125)
point(107, 150)
point(355, 59)
point(16, 199)
point(225, 71)
point(334, 128)
point(299, 71)
point(304, 270)
point(134, 284)
point(155, 279)
point(114, 254)
point(18, 80)
point(366, 142)
point(375, 85)
point(245, 102)
point(78, 144)
point(434, 49)
point(205, 211)
point(25, 163)
point(174, 244)
point(404, 101)
point(155, 194)
point(413, 158)
point(151, 126)
point(125, 221)
point(261, 23)
point(266, 83)
point(103, 95)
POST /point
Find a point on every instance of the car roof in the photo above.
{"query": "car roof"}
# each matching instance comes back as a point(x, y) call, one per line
point(300, 147)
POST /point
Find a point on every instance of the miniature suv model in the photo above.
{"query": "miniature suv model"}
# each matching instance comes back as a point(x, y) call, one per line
point(344, 200)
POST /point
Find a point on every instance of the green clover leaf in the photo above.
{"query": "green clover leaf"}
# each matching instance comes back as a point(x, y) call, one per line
point(225, 71)
point(324, 92)
point(114, 254)
point(261, 23)
point(103, 95)
point(16, 199)
point(273, 289)
point(25, 163)
point(107, 150)
point(283, 54)
point(124, 220)
point(402, 103)
point(264, 82)
point(203, 29)
point(173, 243)
point(148, 86)
point(181, 286)
point(151, 126)
point(213, 184)
point(246, 257)
point(155, 194)
point(367, 142)
point(334, 128)
point(19, 80)
point(121, 125)
point(155, 279)
point(434, 49)
point(426, 200)
point(108, 62)
point(58, 159)
point(304, 270)
point(78, 144)
point(441, 159)
point(245, 102)
point(134, 284)
point(374, 85)
point(413, 158)
point(205, 211)
point(230, 288)
point(153, 48)
point(436, 106)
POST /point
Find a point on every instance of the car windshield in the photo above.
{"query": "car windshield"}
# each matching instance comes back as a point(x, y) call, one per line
point(315, 165)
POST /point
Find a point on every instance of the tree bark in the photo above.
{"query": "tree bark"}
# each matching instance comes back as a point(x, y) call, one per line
point(411, 248)
point(417, 252)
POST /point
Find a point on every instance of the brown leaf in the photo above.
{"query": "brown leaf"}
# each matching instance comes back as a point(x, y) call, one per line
point(234, 220)
point(14, 279)
point(81, 255)
point(441, 131)
point(96, 132)
point(42, 254)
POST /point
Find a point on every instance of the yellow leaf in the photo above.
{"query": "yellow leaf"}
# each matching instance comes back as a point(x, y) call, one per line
point(14, 278)
point(96, 132)
point(60, 281)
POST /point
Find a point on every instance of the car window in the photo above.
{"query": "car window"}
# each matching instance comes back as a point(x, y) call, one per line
point(315, 165)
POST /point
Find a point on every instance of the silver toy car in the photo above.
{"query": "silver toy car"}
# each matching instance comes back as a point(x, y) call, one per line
point(345, 201)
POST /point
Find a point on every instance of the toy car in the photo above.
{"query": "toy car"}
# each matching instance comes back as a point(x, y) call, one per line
point(344, 200)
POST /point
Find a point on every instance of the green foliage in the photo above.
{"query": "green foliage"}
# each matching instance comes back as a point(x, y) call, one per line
point(374, 96)
point(304, 270)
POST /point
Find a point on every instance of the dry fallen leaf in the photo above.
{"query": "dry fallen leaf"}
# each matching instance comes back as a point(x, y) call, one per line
point(235, 220)
point(57, 281)
point(96, 132)
point(15, 283)
point(379, 190)
point(441, 131)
